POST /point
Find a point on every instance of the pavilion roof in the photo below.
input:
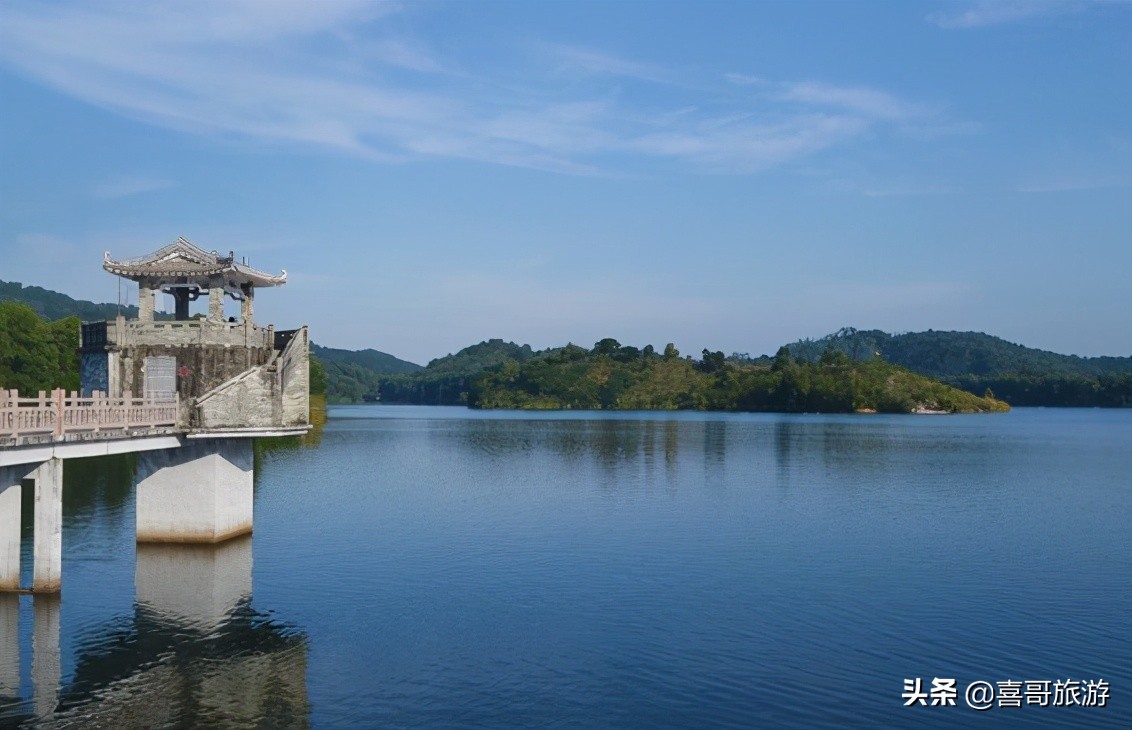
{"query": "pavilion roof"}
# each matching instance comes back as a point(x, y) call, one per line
point(183, 260)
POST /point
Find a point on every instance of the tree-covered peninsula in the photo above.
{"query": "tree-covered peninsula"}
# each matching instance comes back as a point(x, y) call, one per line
point(612, 376)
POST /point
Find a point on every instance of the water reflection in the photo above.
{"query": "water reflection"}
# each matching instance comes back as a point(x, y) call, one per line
point(9, 648)
point(263, 448)
point(610, 442)
point(194, 651)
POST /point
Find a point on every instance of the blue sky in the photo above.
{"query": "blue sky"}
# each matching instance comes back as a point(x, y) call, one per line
point(714, 174)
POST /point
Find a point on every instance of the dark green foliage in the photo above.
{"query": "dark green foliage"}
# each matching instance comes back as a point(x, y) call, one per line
point(601, 379)
point(35, 354)
point(712, 362)
point(318, 382)
point(975, 362)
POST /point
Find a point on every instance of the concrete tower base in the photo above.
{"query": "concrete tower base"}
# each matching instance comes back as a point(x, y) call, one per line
point(199, 493)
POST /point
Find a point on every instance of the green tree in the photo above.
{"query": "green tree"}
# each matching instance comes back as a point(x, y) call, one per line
point(607, 346)
point(782, 360)
point(36, 355)
point(713, 362)
point(317, 377)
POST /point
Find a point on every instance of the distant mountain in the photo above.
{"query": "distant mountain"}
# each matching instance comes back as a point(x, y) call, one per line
point(52, 305)
point(976, 361)
point(446, 380)
point(379, 362)
point(356, 375)
point(953, 354)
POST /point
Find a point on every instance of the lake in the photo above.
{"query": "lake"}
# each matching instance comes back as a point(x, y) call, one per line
point(439, 567)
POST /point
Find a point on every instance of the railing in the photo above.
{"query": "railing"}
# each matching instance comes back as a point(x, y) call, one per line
point(55, 416)
point(131, 333)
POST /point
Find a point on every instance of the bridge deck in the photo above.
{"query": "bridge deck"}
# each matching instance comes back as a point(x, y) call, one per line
point(61, 417)
point(67, 426)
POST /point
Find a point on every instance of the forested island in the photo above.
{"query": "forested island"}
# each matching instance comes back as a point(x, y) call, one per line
point(613, 376)
point(849, 370)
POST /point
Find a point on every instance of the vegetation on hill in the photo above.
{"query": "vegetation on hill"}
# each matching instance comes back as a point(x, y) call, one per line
point(446, 380)
point(53, 306)
point(976, 362)
point(36, 354)
point(352, 376)
point(612, 376)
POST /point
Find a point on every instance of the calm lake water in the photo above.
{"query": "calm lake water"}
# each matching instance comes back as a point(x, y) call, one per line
point(441, 567)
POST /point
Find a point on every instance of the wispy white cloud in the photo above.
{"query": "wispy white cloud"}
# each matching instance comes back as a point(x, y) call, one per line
point(590, 61)
point(126, 185)
point(333, 75)
point(981, 13)
point(869, 102)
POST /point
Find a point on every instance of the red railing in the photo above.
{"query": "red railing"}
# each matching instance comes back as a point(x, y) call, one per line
point(55, 415)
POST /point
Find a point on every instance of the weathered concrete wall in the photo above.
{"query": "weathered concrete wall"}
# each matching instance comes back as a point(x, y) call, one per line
point(250, 400)
point(201, 492)
point(203, 368)
point(194, 585)
point(294, 374)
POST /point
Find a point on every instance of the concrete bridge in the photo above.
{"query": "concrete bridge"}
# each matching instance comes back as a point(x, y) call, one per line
point(195, 487)
point(209, 386)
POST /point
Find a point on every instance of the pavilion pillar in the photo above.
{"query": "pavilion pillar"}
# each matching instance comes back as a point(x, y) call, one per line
point(180, 303)
point(10, 513)
point(145, 302)
point(216, 302)
point(199, 493)
point(246, 305)
point(47, 570)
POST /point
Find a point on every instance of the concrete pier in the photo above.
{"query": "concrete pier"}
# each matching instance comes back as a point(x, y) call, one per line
point(47, 552)
point(10, 510)
point(47, 570)
point(199, 493)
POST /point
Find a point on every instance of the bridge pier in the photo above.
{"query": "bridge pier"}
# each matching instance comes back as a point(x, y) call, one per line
point(47, 568)
point(10, 510)
point(47, 550)
point(199, 493)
